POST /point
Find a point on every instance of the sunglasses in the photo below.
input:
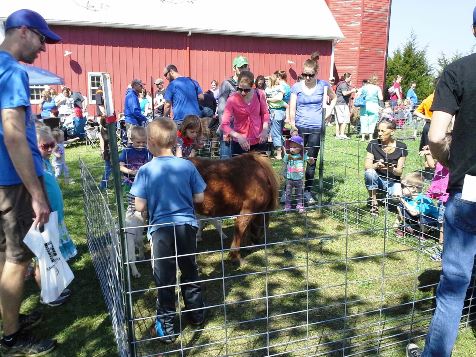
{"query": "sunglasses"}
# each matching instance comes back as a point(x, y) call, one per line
point(41, 37)
point(308, 75)
point(245, 90)
point(48, 146)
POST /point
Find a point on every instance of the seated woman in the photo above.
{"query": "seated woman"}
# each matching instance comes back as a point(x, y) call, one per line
point(384, 164)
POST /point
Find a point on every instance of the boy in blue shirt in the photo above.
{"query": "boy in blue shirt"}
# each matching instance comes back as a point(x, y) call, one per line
point(416, 210)
point(167, 187)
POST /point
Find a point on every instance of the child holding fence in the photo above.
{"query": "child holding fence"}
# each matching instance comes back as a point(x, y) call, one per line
point(294, 161)
point(416, 211)
point(167, 188)
point(190, 130)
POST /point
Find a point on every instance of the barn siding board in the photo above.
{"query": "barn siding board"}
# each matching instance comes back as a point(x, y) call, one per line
point(127, 54)
point(365, 27)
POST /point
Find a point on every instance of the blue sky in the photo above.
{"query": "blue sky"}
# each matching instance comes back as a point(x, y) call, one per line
point(440, 25)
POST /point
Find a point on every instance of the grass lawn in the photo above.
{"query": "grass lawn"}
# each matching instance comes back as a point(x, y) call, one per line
point(323, 282)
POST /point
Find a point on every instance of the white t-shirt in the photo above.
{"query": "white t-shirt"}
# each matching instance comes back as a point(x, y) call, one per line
point(55, 273)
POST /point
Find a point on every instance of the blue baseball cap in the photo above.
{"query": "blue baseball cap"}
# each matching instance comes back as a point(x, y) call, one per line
point(31, 19)
point(474, 17)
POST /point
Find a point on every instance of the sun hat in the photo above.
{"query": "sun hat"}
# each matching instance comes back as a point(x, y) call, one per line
point(240, 61)
point(33, 20)
point(297, 139)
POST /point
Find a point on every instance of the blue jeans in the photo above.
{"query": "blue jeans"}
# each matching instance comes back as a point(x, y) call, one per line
point(458, 259)
point(277, 117)
point(373, 181)
point(225, 148)
point(106, 175)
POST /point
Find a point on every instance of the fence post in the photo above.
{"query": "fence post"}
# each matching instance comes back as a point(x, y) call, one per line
point(321, 152)
point(111, 131)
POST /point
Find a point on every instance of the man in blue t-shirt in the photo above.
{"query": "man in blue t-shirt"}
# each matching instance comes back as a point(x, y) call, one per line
point(22, 197)
point(182, 95)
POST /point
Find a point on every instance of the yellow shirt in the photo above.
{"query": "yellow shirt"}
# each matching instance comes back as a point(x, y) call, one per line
point(425, 106)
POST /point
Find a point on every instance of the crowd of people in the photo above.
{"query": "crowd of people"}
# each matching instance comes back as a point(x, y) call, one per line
point(163, 128)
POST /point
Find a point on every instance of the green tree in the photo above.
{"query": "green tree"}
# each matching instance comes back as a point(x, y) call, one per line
point(410, 61)
point(445, 60)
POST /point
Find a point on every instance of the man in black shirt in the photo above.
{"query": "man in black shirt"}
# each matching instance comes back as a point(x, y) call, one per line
point(455, 96)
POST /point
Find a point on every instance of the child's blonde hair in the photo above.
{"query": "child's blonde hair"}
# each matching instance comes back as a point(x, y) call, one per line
point(191, 122)
point(58, 135)
point(44, 133)
point(138, 131)
point(413, 179)
point(162, 133)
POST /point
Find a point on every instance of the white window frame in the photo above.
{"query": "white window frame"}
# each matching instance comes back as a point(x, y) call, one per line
point(36, 87)
point(91, 98)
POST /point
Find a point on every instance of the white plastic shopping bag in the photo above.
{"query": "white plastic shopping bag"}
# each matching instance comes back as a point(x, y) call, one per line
point(55, 273)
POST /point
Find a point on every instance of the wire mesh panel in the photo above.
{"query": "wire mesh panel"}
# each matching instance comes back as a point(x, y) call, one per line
point(105, 250)
point(315, 284)
point(333, 280)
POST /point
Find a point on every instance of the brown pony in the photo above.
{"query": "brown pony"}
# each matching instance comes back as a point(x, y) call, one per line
point(241, 185)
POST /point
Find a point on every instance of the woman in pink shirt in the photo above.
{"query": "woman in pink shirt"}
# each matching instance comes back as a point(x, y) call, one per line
point(246, 117)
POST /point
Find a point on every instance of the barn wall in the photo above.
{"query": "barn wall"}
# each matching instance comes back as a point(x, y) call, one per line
point(364, 24)
point(128, 54)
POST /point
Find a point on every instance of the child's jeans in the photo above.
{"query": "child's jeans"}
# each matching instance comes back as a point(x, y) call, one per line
point(106, 175)
point(298, 185)
point(169, 244)
point(61, 168)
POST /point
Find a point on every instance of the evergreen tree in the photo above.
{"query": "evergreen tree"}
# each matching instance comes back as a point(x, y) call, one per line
point(445, 60)
point(410, 61)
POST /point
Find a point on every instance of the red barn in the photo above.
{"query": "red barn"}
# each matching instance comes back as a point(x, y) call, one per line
point(200, 37)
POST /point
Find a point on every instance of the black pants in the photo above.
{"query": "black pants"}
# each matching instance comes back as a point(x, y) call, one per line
point(164, 242)
point(312, 143)
point(424, 135)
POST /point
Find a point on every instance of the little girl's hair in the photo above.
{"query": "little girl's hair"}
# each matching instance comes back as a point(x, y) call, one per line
point(58, 135)
point(191, 122)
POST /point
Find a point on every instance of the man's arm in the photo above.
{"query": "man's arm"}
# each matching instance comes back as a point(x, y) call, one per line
point(140, 204)
point(223, 96)
point(438, 142)
point(167, 106)
point(14, 132)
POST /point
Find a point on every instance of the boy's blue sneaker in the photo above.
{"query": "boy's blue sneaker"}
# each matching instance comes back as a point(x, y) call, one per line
point(164, 331)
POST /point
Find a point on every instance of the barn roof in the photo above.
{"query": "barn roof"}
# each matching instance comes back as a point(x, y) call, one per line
point(301, 19)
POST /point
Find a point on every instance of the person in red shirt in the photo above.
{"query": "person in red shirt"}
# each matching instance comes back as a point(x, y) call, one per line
point(249, 111)
point(395, 92)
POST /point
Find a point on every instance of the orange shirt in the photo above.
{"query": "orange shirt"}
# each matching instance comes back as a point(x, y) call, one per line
point(425, 106)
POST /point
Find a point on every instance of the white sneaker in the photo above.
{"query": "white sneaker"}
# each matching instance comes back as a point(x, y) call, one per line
point(308, 198)
point(413, 350)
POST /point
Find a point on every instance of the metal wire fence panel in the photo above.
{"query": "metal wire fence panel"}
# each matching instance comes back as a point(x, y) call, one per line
point(105, 250)
point(316, 284)
point(333, 280)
